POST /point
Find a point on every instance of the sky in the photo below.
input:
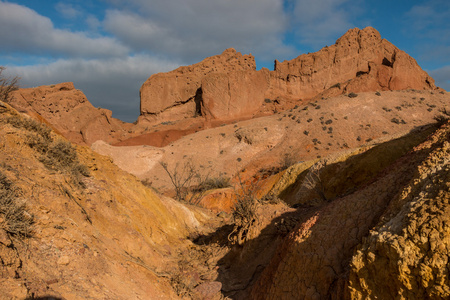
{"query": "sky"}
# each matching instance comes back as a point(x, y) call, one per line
point(108, 48)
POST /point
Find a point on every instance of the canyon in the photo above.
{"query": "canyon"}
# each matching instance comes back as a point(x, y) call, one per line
point(327, 177)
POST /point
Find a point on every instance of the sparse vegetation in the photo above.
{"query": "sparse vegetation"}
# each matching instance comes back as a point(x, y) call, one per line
point(213, 183)
point(245, 216)
point(397, 121)
point(56, 154)
point(287, 160)
point(313, 180)
point(441, 119)
point(7, 85)
point(337, 85)
point(189, 185)
point(182, 178)
point(14, 218)
point(352, 95)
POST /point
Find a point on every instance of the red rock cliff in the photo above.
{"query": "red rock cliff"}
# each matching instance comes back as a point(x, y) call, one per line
point(228, 86)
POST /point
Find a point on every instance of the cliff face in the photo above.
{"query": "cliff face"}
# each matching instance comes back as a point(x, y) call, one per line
point(178, 94)
point(228, 86)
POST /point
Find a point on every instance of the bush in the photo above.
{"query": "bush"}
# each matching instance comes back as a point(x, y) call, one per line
point(313, 180)
point(7, 85)
point(14, 219)
point(213, 183)
point(245, 217)
point(57, 155)
point(189, 184)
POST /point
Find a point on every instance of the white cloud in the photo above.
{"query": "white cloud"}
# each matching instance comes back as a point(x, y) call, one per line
point(194, 29)
point(25, 31)
point(320, 22)
point(67, 10)
point(109, 83)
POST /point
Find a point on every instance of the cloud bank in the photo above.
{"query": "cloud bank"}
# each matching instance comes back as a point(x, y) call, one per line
point(109, 48)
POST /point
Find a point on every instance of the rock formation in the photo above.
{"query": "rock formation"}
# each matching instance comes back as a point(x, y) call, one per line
point(178, 94)
point(359, 61)
point(69, 112)
point(227, 86)
point(389, 239)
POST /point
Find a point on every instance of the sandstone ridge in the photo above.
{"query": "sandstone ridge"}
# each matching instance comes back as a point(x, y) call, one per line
point(228, 86)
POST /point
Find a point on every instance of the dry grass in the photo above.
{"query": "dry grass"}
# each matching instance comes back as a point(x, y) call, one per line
point(55, 153)
point(14, 218)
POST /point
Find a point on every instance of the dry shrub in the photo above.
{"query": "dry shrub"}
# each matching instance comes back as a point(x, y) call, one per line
point(7, 85)
point(14, 218)
point(213, 183)
point(56, 154)
point(245, 217)
point(313, 180)
point(189, 184)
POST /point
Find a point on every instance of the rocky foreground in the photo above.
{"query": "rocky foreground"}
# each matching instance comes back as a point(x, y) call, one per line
point(325, 178)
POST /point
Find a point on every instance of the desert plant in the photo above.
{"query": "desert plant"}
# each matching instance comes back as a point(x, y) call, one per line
point(313, 180)
point(441, 119)
point(337, 85)
point(352, 95)
point(213, 183)
point(55, 154)
point(182, 178)
point(30, 124)
point(287, 160)
point(7, 85)
point(189, 184)
point(245, 217)
point(14, 219)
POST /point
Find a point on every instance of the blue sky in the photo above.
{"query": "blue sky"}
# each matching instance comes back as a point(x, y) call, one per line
point(108, 48)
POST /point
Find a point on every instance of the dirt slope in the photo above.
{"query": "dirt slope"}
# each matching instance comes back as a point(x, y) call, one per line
point(328, 126)
point(98, 233)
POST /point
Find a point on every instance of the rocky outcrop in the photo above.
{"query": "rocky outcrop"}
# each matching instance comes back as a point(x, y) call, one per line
point(234, 95)
point(388, 240)
point(359, 61)
point(407, 254)
point(69, 112)
point(178, 94)
point(228, 86)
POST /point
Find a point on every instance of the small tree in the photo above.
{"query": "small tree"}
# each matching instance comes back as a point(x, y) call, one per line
point(313, 180)
point(7, 85)
point(182, 178)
